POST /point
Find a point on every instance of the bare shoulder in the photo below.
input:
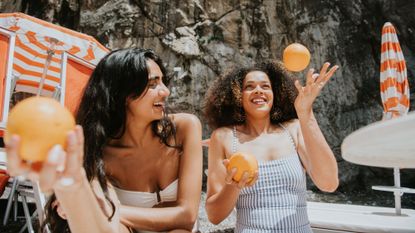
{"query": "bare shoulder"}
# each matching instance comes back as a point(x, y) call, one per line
point(221, 136)
point(188, 126)
point(185, 120)
point(293, 126)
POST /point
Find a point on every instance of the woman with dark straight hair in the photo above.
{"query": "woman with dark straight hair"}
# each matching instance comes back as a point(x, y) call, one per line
point(144, 165)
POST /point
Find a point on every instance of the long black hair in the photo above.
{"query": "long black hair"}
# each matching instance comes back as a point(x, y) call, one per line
point(120, 75)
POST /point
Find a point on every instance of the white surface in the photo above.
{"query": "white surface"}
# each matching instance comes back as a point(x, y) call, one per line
point(388, 143)
point(3, 159)
point(354, 218)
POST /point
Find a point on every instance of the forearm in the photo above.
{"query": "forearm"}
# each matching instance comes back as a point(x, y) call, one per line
point(82, 209)
point(322, 163)
point(221, 204)
point(159, 219)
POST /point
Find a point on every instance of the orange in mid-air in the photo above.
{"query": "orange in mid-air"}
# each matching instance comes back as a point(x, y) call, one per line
point(41, 123)
point(244, 163)
point(296, 57)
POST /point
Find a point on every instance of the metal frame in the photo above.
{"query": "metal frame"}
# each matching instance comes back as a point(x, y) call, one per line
point(9, 79)
point(60, 91)
point(397, 190)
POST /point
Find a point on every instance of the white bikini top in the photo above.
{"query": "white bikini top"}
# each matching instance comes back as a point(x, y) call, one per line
point(146, 199)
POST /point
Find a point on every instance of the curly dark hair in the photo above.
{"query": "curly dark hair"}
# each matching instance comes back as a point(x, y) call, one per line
point(102, 113)
point(223, 100)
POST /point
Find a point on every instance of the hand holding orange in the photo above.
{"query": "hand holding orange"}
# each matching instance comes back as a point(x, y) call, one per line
point(40, 123)
point(296, 57)
point(244, 163)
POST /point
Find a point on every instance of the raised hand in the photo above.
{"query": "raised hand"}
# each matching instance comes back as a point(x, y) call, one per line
point(243, 182)
point(314, 83)
point(61, 169)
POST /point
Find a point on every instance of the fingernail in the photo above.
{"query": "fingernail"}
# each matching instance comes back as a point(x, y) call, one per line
point(71, 138)
point(53, 156)
point(66, 181)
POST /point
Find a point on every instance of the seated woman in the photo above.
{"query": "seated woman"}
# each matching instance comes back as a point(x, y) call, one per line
point(133, 147)
point(263, 111)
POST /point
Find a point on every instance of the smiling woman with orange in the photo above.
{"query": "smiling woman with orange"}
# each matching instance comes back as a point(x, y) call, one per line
point(144, 165)
point(264, 112)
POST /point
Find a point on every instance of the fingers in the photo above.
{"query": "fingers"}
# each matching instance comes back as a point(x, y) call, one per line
point(323, 72)
point(309, 77)
point(49, 173)
point(298, 86)
point(254, 179)
point(80, 135)
point(330, 73)
point(244, 180)
point(230, 174)
point(72, 149)
point(15, 165)
point(324, 75)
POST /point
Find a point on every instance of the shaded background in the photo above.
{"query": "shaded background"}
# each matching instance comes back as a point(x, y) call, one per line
point(205, 37)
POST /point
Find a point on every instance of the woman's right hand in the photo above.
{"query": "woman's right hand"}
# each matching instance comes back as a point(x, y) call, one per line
point(61, 168)
point(243, 182)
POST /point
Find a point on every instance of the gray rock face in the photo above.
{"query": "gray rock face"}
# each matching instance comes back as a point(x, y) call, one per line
point(205, 38)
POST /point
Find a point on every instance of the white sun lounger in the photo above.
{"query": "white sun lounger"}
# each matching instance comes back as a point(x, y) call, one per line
point(336, 218)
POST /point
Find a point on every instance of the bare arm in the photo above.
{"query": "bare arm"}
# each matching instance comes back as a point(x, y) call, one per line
point(87, 210)
point(313, 148)
point(72, 189)
point(222, 190)
point(182, 216)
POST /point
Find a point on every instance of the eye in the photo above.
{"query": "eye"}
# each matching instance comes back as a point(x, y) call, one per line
point(152, 84)
point(249, 87)
point(266, 86)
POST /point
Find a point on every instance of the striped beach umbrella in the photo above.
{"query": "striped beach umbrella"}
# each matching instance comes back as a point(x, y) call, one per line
point(393, 75)
point(38, 50)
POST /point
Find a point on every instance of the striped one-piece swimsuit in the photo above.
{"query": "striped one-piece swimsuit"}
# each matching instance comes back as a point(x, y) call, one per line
point(277, 201)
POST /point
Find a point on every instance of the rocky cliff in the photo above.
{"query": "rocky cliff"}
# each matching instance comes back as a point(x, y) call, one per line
point(204, 38)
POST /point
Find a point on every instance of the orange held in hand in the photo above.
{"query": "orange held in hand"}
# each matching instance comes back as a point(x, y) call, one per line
point(244, 163)
point(40, 123)
point(296, 57)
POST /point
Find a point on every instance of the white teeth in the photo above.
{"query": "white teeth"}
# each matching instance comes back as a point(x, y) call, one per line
point(159, 104)
point(258, 101)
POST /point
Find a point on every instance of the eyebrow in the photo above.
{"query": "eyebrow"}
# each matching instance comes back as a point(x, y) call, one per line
point(249, 82)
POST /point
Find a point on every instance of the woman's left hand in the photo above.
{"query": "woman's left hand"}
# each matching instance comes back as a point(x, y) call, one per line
point(315, 82)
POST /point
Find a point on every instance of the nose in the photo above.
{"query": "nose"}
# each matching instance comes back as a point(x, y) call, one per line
point(164, 91)
point(258, 89)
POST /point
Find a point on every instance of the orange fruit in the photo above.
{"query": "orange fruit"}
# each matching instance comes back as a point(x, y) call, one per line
point(40, 123)
point(296, 57)
point(244, 163)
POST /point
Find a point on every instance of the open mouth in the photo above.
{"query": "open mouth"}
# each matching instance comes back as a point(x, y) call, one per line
point(159, 105)
point(259, 101)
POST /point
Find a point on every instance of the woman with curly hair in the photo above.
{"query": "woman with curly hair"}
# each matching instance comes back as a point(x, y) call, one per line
point(265, 112)
point(144, 166)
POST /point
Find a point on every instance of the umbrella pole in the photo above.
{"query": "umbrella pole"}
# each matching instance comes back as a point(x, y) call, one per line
point(51, 52)
point(397, 193)
point(45, 71)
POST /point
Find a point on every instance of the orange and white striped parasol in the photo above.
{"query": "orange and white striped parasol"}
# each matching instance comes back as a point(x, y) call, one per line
point(38, 50)
point(393, 75)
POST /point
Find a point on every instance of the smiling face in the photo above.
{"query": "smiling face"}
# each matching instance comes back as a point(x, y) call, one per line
point(257, 95)
point(150, 104)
